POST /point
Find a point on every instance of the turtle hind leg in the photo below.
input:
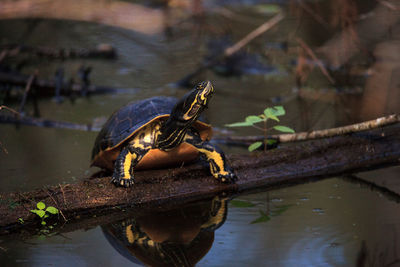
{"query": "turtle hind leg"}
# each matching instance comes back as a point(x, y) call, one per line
point(124, 165)
point(215, 156)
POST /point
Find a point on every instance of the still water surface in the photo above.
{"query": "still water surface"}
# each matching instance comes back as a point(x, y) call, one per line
point(326, 223)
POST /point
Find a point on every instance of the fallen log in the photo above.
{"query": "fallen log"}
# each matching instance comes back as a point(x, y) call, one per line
point(113, 13)
point(284, 166)
point(48, 87)
point(105, 51)
point(40, 122)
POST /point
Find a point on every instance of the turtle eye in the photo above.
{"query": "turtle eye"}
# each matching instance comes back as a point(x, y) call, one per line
point(201, 85)
point(194, 110)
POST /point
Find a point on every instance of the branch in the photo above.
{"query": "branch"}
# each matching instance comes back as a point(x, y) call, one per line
point(275, 168)
point(48, 87)
point(101, 51)
point(39, 122)
point(305, 136)
point(316, 60)
point(233, 49)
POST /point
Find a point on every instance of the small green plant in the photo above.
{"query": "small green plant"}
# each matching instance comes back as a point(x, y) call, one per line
point(269, 114)
point(44, 212)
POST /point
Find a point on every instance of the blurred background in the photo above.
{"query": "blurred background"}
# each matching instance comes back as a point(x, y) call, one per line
point(328, 62)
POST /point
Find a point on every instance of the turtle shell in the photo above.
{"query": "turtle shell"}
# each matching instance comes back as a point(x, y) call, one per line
point(129, 119)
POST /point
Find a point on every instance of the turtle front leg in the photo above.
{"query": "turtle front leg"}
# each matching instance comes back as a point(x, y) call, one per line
point(125, 164)
point(215, 156)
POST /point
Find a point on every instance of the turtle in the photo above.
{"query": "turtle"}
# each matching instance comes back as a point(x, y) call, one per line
point(158, 132)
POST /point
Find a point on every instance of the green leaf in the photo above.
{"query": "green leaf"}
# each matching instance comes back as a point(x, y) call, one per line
point(254, 146)
point(273, 113)
point(274, 118)
point(40, 213)
point(21, 221)
point(283, 129)
point(43, 223)
point(40, 205)
point(263, 218)
point(267, 8)
point(253, 119)
point(52, 210)
point(279, 111)
point(241, 203)
point(239, 124)
point(271, 141)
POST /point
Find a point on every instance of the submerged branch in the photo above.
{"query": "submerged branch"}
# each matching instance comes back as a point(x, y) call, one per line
point(154, 188)
point(40, 122)
point(48, 87)
point(101, 51)
point(316, 60)
point(233, 49)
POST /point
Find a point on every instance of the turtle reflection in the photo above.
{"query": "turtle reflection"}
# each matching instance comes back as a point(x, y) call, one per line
point(175, 238)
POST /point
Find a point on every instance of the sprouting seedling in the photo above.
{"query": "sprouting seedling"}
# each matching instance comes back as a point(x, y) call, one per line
point(269, 113)
point(44, 212)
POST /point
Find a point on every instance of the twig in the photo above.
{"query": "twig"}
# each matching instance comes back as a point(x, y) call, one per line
point(388, 5)
point(3, 148)
point(304, 136)
point(374, 187)
point(358, 127)
point(252, 35)
point(26, 92)
point(316, 16)
point(62, 191)
point(315, 58)
point(26, 199)
point(3, 55)
point(55, 202)
point(234, 48)
point(9, 109)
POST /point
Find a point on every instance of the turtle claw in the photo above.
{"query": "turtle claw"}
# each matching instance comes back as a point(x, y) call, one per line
point(228, 178)
point(124, 182)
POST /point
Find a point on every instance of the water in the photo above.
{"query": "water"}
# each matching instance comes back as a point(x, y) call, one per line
point(326, 223)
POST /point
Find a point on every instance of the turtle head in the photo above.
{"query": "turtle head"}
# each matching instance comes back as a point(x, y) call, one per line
point(193, 103)
point(184, 113)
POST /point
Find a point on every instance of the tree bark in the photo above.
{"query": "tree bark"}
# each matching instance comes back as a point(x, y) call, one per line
point(280, 167)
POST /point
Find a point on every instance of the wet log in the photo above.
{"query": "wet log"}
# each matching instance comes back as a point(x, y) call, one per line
point(40, 122)
point(280, 167)
point(48, 87)
point(105, 51)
